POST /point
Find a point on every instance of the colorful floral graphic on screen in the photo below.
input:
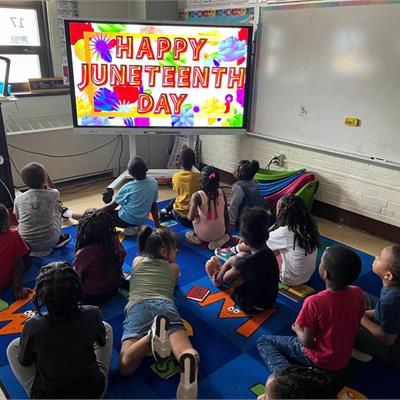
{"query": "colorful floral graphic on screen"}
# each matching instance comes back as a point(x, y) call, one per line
point(158, 76)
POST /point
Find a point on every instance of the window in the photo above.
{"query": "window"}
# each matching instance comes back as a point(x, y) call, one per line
point(24, 39)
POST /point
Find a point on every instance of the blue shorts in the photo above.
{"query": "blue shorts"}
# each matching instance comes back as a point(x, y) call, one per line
point(140, 316)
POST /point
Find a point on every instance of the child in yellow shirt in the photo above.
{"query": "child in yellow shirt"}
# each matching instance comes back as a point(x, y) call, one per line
point(185, 183)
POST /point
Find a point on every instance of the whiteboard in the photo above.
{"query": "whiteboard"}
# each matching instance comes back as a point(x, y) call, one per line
point(318, 65)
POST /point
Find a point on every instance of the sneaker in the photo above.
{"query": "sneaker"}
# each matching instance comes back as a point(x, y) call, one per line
point(66, 213)
point(42, 253)
point(165, 215)
point(159, 338)
point(214, 244)
point(192, 238)
point(224, 254)
point(360, 356)
point(131, 230)
point(189, 367)
point(64, 239)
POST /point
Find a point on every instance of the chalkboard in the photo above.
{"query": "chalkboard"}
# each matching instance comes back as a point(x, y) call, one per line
point(321, 63)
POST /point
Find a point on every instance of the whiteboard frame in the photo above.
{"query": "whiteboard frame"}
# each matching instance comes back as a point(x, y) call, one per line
point(257, 32)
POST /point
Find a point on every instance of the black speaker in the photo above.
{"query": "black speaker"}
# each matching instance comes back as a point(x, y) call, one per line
point(7, 193)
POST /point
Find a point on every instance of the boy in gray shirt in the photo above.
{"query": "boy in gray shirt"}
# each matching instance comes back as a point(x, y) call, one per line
point(38, 212)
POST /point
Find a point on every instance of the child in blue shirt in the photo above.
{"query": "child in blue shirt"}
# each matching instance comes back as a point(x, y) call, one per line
point(136, 199)
point(379, 334)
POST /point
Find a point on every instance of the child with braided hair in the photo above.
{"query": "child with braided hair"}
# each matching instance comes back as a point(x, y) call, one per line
point(208, 211)
point(99, 256)
point(66, 352)
point(294, 238)
point(297, 382)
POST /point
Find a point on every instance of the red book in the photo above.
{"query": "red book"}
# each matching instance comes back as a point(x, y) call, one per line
point(198, 293)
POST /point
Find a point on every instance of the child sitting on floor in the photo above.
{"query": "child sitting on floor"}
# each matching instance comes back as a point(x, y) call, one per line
point(66, 352)
point(99, 257)
point(14, 256)
point(379, 334)
point(136, 198)
point(298, 383)
point(185, 183)
point(39, 213)
point(209, 212)
point(151, 318)
point(254, 276)
point(245, 192)
point(294, 237)
point(328, 321)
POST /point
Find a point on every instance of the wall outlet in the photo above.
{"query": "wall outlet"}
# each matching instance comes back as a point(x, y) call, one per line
point(280, 157)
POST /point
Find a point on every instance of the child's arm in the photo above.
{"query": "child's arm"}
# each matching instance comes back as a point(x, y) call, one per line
point(370, 314)
point(226, 214)
point(228, 273)
point(175, 270)
point(154, 213)
point(108, 207)
point(306, 335)
point(195, 202)
point(237, 196)
point(377, 331)
point(20, 292)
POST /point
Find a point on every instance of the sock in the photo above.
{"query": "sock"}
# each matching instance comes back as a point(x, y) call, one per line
point(67, 213)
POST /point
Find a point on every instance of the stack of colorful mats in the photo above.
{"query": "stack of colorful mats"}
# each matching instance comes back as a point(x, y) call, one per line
point(275, 184)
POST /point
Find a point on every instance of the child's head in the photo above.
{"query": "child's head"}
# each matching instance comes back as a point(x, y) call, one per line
point(97, 227)
point(34, 175)
point(4, 218)
point(254, 227)
point(293, 213)
point(59, 289)
point(187, 158)
point(157, 243)
point(387, 265)
point(209, 180)
point(339, 266)
point(137, 168)
point(298, 383)
point(246, 170)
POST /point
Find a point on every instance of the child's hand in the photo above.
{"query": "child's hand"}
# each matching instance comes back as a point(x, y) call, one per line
point(22, 292)
point(296, 328)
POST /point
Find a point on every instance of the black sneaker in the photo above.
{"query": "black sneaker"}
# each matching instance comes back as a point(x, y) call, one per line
point(64, 239)
point(159, 338)
point(189, 367)
point(164, 215)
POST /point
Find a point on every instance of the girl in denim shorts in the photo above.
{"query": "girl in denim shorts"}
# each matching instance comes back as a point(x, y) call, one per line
point(151, 318)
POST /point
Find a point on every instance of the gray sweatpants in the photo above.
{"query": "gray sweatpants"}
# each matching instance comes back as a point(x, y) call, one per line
point(26, 375)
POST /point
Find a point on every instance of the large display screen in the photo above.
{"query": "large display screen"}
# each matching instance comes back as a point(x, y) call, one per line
point(153, 75)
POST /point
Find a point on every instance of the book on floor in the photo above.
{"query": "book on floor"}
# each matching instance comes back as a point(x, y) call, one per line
point(296, 293)
point(198, 293)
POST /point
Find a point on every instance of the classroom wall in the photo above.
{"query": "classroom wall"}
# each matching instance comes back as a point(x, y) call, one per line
point(360, 187)
point(152, 149)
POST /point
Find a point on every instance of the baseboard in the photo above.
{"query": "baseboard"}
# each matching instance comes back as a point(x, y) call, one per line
point(341, 216)
point(369, 225)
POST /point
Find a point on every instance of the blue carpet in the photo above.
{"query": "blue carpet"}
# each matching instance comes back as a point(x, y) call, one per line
point(225, 338)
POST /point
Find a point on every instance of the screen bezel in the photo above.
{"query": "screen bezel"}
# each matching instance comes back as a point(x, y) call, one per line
point(163, 129)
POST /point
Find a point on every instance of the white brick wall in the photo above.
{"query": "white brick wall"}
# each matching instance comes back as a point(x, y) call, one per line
point(357, 186)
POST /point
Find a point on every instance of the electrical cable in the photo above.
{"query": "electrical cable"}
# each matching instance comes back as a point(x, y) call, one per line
point(66, 155)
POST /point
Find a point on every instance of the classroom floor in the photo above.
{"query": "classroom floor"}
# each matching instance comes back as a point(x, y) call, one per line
point(86, 196)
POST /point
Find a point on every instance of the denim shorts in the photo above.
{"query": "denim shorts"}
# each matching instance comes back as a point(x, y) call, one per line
point(140, 316)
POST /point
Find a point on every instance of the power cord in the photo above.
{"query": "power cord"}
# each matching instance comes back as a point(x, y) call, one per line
point(120, 143)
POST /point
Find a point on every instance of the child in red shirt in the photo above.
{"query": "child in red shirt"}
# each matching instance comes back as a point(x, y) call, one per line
point(328, 321)
point(12, 249)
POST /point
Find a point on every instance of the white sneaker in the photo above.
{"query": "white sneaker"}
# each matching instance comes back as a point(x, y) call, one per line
point(189, 367)
point(159, 338)
point(360, 356)
point(131, 230)
point(214, 244)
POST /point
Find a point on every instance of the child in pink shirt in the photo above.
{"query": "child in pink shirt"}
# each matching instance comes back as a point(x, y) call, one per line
point(208, 211)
